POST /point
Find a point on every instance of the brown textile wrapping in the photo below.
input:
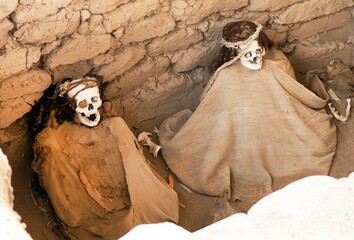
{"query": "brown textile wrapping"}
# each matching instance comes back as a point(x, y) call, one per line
point(252, 133)
point(99, 179)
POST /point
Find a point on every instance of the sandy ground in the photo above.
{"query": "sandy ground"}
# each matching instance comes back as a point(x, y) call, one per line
point(198, 211)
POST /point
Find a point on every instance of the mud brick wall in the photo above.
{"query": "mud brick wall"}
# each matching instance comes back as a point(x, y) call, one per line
point(150, 53)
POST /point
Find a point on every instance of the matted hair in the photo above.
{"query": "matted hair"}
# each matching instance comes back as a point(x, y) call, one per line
point(235, 32)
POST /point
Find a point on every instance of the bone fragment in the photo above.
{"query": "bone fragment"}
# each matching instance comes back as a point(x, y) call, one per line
point(333, 96)
point(156, 130)
point(185, 188)
point(144, 138)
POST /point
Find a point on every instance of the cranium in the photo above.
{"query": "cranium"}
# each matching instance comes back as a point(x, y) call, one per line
point(251, 55)
point(87, 100)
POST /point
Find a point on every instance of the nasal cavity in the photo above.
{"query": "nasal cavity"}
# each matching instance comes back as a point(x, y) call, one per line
point(92, 117)
point(90, 107)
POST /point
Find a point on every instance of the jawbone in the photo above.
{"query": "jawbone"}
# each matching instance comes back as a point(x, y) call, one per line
point(252, 65)
point(338, 116)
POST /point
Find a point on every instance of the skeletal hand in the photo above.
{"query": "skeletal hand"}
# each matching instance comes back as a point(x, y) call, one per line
point(144, 138)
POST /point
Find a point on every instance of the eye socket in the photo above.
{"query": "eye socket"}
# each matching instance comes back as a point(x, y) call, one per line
point(259, 50)
point(82, 104)
point(94, 99)
point(248, 54)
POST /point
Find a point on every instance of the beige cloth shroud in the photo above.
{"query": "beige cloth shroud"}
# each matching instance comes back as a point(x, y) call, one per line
point(252, 133)
point(99, 179)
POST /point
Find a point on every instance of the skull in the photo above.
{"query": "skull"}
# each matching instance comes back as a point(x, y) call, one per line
point(252, 55)
point(87, 100)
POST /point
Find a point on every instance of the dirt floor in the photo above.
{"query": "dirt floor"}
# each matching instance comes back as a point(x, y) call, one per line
point(198, 211)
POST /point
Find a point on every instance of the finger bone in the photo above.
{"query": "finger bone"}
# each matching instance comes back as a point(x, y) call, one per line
point(156, 130)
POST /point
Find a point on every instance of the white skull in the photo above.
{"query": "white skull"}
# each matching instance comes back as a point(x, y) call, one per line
point(87, 100)
point(252, 55)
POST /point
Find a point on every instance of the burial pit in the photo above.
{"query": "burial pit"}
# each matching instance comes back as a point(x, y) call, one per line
point(152, 58)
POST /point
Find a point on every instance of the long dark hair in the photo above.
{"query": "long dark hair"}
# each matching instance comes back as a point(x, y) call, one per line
point(234, 32)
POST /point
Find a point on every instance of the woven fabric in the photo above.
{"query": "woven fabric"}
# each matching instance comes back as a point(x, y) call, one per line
point(252, 133)
point(99, 179)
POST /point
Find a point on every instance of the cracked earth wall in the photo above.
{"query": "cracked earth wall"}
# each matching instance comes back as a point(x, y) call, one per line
point(151, 54)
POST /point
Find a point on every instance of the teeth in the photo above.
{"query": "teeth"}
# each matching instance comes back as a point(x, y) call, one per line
point(336, 114)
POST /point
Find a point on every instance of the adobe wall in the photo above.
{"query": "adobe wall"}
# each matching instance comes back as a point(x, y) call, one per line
point(151, 54)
